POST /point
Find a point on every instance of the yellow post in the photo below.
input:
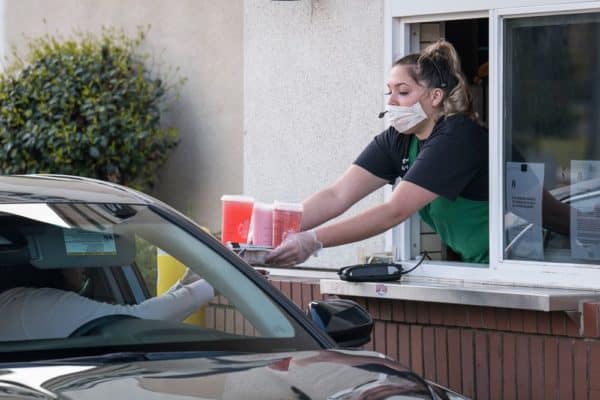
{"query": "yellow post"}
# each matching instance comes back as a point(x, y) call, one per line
point(170, 270)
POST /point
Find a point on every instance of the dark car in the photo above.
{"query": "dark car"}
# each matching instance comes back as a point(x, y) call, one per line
point(97, 279)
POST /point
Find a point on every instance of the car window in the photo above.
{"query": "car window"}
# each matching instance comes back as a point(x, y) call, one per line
point(123, 275)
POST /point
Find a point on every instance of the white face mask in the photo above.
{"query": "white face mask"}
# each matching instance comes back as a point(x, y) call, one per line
point(404, 118)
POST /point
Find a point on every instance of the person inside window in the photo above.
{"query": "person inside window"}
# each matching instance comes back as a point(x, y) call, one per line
point(47, 304)
point(435, 143)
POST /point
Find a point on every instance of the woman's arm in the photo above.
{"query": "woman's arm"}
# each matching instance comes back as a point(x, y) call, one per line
point(406, 199)
point(332, 201)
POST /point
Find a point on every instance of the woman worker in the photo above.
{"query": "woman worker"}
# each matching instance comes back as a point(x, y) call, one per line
point(438, 148)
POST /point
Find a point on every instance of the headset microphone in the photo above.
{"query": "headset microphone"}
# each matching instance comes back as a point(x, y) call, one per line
point(381, 114)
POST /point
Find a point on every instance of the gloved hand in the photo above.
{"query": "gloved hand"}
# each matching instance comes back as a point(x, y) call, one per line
point(295, 249)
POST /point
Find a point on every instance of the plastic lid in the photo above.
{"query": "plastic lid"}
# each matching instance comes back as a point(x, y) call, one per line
point(263, 206)
point(237, 197)
point(281, 205)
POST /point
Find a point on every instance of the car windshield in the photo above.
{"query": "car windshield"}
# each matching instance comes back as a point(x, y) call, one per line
point(121, 277)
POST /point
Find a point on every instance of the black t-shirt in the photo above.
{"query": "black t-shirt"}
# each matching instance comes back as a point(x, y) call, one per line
point(452, 162)
point(387, 155)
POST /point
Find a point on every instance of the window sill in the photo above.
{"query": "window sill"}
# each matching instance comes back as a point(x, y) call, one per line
point(431, 290)
point(477, 292)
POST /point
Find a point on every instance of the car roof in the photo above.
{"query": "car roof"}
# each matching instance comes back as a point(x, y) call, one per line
point(64, 188)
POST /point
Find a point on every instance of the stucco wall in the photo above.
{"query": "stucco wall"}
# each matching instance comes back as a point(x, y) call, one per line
point(313, 85)
point(203, 38)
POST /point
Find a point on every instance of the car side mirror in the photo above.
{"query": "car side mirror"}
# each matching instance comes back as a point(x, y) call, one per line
point(348, 324)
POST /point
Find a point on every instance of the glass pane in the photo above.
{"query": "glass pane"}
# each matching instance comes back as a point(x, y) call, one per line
point(551, 138)
point(87, 276)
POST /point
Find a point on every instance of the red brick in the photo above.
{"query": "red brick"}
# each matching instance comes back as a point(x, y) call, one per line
point(429, 353)
point(422, 313)
point(551, 368)
point(404, 344)
point(590, 319)
point(537, 367)
point(565, 369)
point(544, 324)
point(435, 314)
point(495, 358)
point(230, 320)
point(594, 394)
point(489, 318)
point(482, 378)
point(502, 319)
point(220, 319)
point(391, 339)
point(468, 362)
point(529, 321)
point(580, 372)
point(286, 289)
point(441, 356)
point(475, 316)
point(454, 366)
point(449, 315)
point(572, 327)
point(316, 292)
point(297, 293)
point(410, 311)
point(248, 328)
point(398, 311)
point(306, 294)
point(277, 284)
point(209, 317)
point(516, 320)
point(509, 366)
point(373, 307)
point(379, 336)
point(594, 365)
point(416, 349)
point(239, 323)
point(559, 323)
point(523, 368)
point(385, 310)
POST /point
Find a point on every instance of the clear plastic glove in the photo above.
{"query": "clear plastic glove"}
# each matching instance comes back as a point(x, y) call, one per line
point(295, 249)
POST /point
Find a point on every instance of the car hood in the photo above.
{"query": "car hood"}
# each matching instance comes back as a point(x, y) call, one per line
point(331, 374)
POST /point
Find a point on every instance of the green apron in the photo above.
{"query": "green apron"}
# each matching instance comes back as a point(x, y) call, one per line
point(463, 224)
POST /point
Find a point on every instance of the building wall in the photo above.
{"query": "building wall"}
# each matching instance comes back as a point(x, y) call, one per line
point(313, 86)
point(203, 38)
point(483, 352)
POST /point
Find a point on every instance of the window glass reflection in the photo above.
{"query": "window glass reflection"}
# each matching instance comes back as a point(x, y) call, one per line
point(551, 138)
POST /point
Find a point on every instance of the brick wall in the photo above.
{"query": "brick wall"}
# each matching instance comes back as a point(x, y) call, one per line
point(483, 352)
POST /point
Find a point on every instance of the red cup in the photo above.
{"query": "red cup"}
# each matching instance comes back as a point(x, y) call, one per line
point(286, 219)
point(235, 218)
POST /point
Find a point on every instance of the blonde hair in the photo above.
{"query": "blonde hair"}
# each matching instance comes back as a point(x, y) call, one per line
point(439, 67)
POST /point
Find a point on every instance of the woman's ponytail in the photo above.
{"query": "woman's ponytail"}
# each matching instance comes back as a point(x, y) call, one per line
point(439, 67)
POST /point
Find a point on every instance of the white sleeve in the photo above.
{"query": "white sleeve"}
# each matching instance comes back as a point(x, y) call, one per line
point(57, 313)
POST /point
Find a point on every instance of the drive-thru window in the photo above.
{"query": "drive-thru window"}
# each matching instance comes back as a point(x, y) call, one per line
point(526, 325)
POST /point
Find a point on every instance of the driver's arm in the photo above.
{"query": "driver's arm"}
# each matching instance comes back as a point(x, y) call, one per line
point(54, 313)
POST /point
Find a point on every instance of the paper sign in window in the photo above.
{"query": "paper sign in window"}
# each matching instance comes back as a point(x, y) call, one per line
point(585, 210)
point(80, 242)
point(524, 185)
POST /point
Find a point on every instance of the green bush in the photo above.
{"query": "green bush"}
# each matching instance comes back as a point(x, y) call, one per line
point(89, 106)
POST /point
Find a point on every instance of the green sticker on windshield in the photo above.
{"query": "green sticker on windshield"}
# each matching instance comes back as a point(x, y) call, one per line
point(79, 242)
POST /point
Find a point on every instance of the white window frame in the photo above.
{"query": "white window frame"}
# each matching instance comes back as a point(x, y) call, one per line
point(500, 271)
